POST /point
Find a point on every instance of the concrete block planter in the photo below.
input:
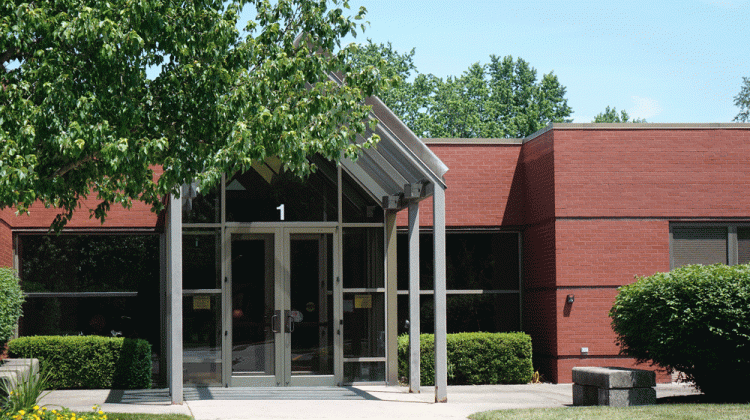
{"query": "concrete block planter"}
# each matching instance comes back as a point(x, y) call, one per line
point(613, 386)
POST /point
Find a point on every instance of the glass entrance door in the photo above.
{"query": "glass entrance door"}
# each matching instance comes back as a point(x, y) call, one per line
point(282, 307)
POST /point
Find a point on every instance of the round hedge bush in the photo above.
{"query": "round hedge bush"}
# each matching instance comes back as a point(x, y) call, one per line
point(694, 319)
point(11, 299)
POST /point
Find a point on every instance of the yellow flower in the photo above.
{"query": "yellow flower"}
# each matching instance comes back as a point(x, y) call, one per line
point(101, 413)
point(36, 407)
point(21, 412)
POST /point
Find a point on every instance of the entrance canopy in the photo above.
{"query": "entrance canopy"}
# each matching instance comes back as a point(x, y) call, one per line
point(398, 173)
point(401, 168)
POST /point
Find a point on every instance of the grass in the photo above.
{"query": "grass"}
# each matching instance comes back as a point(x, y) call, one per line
point(663, 411)
point(141, 416)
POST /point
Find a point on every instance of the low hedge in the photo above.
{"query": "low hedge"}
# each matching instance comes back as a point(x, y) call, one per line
point(89, 362)
point(473, 358)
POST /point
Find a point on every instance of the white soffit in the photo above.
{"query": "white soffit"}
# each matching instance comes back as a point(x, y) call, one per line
point(399, 159)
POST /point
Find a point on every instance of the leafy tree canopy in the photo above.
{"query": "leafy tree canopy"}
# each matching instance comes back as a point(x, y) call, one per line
point(80, 116)
point(611, 116)
point(502, 98)
point(742, 100)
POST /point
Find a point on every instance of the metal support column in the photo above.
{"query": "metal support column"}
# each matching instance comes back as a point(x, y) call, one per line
point(441, 352)
point(414, 353)
point(174, 299)
point(391, 297)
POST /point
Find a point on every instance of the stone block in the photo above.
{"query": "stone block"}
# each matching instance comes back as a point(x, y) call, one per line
point(12, 371)
point(585, 395)
point(615, 387)
point(614, 377)
point(627, 397)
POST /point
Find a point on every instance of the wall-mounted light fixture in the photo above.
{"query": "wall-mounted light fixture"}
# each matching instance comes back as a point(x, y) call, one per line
point(570, 299)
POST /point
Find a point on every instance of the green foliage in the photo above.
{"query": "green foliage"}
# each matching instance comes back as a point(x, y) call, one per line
point(473, 358)
point(89, 362)
point(742, 100)
point(80, 116)
point(43, 413)
point(500, 99)
point(694, 319)
point(611, 116)
point(26, 392)
point(11, 299)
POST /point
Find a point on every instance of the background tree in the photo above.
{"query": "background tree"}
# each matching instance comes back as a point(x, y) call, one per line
point(742, 100)
point(11, 300)
point(611, 116)
point(80, 116)
point(500, 99)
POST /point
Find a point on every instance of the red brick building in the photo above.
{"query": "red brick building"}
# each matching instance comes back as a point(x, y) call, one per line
point(541, 232)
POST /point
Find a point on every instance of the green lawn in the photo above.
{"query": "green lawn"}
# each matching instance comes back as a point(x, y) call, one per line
point(663, 411)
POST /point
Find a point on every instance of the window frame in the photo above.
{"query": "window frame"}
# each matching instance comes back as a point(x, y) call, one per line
point(732, 239)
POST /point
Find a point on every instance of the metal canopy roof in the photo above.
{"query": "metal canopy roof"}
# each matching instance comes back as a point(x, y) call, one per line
point(400, 168)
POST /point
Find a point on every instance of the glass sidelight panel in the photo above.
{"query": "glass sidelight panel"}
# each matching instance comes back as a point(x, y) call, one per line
point(201, 314)
point(364, 324)
point(309, 322)
point(254, 319)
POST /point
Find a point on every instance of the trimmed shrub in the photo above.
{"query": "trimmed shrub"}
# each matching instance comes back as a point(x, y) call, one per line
point(89, 362)
point(11, 299)
point(473, 358)
point(694, 319)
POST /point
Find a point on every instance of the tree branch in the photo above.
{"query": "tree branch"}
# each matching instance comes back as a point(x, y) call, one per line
point(69, 167)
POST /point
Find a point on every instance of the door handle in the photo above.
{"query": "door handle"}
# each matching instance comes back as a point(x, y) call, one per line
point(289, 321)
point(276, 321)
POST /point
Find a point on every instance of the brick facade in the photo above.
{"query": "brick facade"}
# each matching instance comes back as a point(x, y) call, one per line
point(593, 204)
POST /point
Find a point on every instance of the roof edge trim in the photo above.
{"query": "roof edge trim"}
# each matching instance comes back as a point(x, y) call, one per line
point(638, 126)
point(468, 141)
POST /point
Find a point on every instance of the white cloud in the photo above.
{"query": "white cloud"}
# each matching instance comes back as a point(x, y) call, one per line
point(644, 108)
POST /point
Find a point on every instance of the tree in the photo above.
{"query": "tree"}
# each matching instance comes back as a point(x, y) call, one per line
point(11, 300)
point(79, 114)
point(500, 99)
point(742, 100)
point(611, 116)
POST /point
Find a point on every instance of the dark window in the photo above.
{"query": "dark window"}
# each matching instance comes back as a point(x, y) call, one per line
point(91, 284)
point(743, 245)
point(699, 245)
point(482, 278)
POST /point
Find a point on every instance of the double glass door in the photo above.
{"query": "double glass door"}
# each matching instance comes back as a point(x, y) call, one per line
point(283, 300)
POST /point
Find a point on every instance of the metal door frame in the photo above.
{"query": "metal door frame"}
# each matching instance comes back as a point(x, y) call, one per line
point(282, 233)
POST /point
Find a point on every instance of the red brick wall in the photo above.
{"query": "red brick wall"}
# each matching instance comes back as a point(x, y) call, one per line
point(484, 186)
point(538, 160)
point(615, 194)
point(650, 173)
point(139, 216)
point(609, 252)
point(6, 245)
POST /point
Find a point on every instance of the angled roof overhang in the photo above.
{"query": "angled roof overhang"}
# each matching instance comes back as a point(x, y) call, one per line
point(400, 168)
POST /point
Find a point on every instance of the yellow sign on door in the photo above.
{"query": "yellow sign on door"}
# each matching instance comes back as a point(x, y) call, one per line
point(362, 301)
point(201, 302)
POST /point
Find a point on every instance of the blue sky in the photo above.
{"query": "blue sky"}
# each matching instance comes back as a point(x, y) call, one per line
point(665, 61)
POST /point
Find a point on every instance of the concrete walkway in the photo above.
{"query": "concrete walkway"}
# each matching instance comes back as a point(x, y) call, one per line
point(361, 402)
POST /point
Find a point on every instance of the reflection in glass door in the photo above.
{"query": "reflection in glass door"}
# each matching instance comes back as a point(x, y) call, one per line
point(282, 307)
point(255, 321)
point(311, 308)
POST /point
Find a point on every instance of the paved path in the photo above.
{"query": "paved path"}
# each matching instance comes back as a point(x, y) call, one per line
point(361, 402)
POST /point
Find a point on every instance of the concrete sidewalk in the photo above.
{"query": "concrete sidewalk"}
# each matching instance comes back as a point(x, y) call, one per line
point(361, 402)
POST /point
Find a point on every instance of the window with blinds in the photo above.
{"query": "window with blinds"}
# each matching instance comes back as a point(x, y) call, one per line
point(743, 245)
point(700, 245)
